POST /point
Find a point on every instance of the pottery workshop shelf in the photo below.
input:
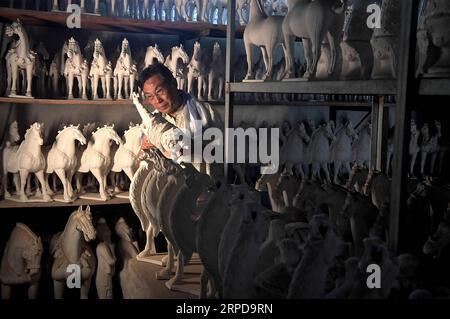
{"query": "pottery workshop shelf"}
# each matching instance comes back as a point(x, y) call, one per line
point(100, 23)
point(4, 204)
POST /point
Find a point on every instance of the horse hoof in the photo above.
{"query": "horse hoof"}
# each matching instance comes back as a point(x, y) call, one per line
point(23, 198)
point(47, 198)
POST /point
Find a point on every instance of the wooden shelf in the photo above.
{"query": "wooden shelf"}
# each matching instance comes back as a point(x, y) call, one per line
point(434, 87)
point(15, 100)
point(104, 23)
point(5, 204)
point(368, 87)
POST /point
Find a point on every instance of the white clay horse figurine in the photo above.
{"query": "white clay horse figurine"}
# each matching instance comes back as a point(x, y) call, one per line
point(197, 71)
point(414, 148)
point(20, 57)
point(178, 69)
point(164, 8)
point(87, 131)
point(75, 67)
point(216, 73)
point(361, 146)
point(10, 148)
point(82, 5)
point(264, 32)
point(125, 72)
point(97, 156)
point(70, 247)
point(153, 54)
point(29, 159)
point(294, 150)
point(320, 151)
point(313, 21)
point(101, 69)
point(125, 158)
point(341, 149)
point(21, 262)
point(62, 157)
point(429, 146)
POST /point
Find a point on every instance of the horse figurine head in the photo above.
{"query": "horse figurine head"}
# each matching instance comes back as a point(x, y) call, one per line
point(107, 133)
point(125, 48)
point(15, 28)
point(72, 48)
point(216, 50)
point(21, 261)
point(35, 133)
point(71, 133)
point(81, 221)
point(178, 52)
point(98, 49)
point(153, 54)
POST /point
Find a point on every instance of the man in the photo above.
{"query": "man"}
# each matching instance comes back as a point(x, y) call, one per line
point(175, 110)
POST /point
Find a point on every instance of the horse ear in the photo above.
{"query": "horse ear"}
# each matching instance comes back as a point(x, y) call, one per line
point(88, 209)
point(80, 208)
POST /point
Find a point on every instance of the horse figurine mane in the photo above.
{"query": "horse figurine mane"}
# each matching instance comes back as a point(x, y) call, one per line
point(21, 262)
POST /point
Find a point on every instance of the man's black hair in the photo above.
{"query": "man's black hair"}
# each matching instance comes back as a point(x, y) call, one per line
point(156, 68)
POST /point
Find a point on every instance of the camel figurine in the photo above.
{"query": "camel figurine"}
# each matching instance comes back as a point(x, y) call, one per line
point(265, 32)
point(313, 21)
point(125, 72)
point(20, 57)
point(21, 262)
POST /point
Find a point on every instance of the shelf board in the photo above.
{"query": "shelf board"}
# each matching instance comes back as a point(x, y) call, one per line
point(368, 87)
point(15, 100)
point(434, 87)
point(105, 23)
point(4, 204)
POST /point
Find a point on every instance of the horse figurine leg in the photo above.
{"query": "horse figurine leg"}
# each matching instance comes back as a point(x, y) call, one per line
point(33, 290)
point(6, 291)
point(62, 176)
point(119, 88)
point(101, 180)
point(40, 176)
point(58, 289)
point(70, 85)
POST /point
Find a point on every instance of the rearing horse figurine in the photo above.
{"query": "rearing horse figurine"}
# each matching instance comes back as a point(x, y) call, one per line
point(20, 57)
point(70, 248)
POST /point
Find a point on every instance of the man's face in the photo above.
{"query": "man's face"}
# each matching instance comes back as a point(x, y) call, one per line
point(161, 95)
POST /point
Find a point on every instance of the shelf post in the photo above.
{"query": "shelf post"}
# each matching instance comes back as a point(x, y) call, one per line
point(229, 96)
point(407, 89)
point(380, 125)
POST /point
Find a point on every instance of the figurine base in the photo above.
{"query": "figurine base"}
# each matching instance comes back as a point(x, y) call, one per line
point(189, 282)
point(60, 198)
point(93, 196)
point(295, 80)
point(155, 259)
point(20, 96)
point(31, 199)
point(125, 195)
